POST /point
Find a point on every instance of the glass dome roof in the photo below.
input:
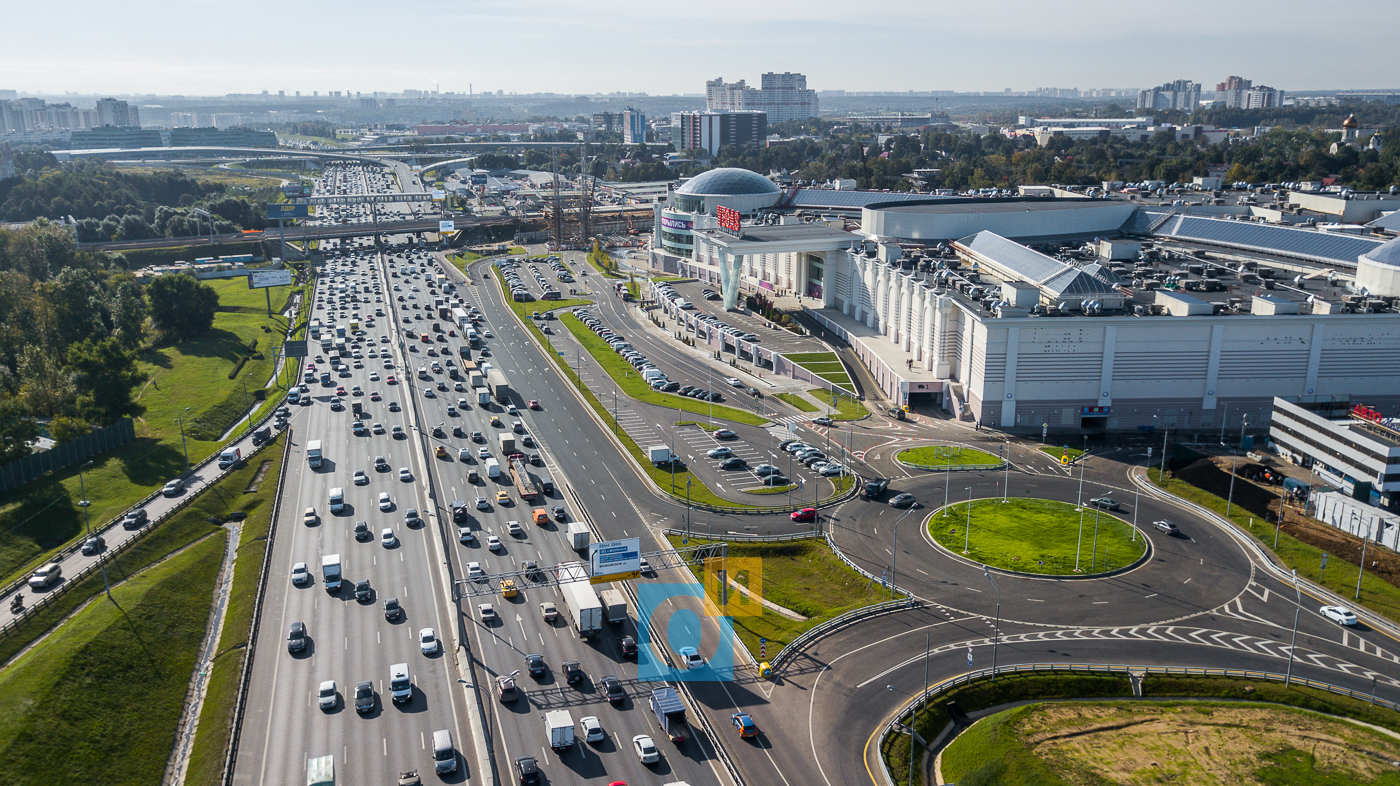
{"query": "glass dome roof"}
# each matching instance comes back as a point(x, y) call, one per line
point(728, 181)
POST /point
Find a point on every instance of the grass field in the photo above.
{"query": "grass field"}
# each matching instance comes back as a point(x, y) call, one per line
point(1377, 594)
point(947, 455)
point(632, 384)
point(803, 358)
point(1057, 451)
point(803, 576)
point(189, 380)
point(98, 701)
point(1213, 744)
point(847, 407)
point(802, 404)
point(1037, 536)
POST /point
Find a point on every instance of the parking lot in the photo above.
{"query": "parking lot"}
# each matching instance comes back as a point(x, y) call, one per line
point(706, 314)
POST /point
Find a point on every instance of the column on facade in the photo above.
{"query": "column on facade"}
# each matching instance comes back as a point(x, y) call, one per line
point(906, 311)
point(855, 285)
point(872, 289)
point(828, 279)
point(881, 311)
point(731, 268)
point(926, 350)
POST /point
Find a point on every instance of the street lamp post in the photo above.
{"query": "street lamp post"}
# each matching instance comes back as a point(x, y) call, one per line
point(87, 522)
point(894, 566)
point(1079, 503)
point(1288, 678)
point(1094, 552)
point(1006, 472)
point(967, 531)
point(996, 642)
point(1362, 572)
point(947, 483)
point(1230, 499)
point(185, 445)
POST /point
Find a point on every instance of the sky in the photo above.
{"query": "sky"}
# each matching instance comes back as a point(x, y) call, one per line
point(203, 47)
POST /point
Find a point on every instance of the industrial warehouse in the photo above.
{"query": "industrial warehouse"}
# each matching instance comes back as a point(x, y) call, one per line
point(1039, 314)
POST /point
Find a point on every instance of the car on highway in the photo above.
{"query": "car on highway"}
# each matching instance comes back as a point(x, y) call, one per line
point(1107, 503)
point(394, 406)
point(1339, 614)
point(362, 532)
point(93, 545)
point(300, 574)
point(474, 571)
point(327, 697)
point(360, 478)
point(397, 432)
point(805, 514)
point(627, 646)
point(823, 421)
point(309, 517)
point(503, 498)
point(173, 488)
point(612, 688)
point(560, 514)
point(732, 382)
point(533, 404)
point(364, 697)
point(646, 749)
point(363, 591)
point(690, 658)
point(428, 642)
point(487, 612)
point(405, 475)
point(534, 663)
point(505, 684)
point(296, 637)
point(493, 542)
point(549, 611)
point(385, 503)
point(387, 539)
point(592, 729)
point(1167, 527)
point(744, 724)
point(392, 609)
point(902, 501)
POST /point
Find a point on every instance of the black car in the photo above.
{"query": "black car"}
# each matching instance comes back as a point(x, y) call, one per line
point(628, 645)
point(902, 501)
point(572, 671)
point(411, 518)
point(559, 513)
point(94, 545)
point(534, 663)
point(529, 770)
point(612, 688)
point(364, 697)
point(459, 511)
point(392, 609)
point(296, 638)
point(363, 591)
point(362, 530)
point(733, 463)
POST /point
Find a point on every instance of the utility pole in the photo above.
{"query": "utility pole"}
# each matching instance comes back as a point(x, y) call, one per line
point(85, 504)
point(1230, 499)
point(1297, 609)
point(1362, 572)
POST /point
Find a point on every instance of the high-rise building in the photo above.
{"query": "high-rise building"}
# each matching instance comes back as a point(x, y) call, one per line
point(7, 161)
point(780, 96)
point(111, 112)
point(1183, 95)
point(184, 120)
point(1239, 93)
point(709, 131)
point(634, 127)
point(608, 122)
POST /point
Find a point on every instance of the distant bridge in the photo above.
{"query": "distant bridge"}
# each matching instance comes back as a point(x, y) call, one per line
point(300, 233)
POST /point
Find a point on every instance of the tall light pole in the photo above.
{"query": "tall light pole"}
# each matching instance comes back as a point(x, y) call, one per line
point(1006, 472)
point(1082, 461)
point(1094, 552)
point(947, 483)
point(894, 566)
point(967, 531)
point(996, 642)
point(1230, 499)
point(1288, 678)
point(181, 420)
point(1362, 572)
point(1162, 473)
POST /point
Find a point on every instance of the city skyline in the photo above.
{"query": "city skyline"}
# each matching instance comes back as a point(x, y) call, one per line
point(564, 48)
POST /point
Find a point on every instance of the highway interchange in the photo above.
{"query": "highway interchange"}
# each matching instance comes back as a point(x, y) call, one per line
point(1205, 598)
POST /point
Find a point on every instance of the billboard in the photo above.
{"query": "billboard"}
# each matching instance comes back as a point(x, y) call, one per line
point(445, 226)
point(278, 210)
point(728, 218)
point(261, 279)
point(614, 560)
point(438, 196)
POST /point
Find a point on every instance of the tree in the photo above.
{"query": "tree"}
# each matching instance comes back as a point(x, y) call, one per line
point(128, 309)
point(45, 387)
point(75, 308)
point(180, 306)
point(105, 375)
point(64, 428)
point(17, 429)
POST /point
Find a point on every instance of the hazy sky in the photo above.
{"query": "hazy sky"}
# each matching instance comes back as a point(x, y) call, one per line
point(202, 47)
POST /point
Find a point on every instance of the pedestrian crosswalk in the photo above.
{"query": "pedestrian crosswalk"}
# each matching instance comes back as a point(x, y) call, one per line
point(790, 419)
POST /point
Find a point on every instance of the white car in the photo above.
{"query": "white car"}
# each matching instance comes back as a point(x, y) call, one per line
point(405, 475)
point(1339, 614)
point(483, 453)
point(428, 641)
point(720, 453)
point(646, 749)
point(482, 504)
point(487, 612)
point(733, 382)
point(513, 527)
point(474, 570)
point(464, 454)
point(493, 543)
point(360, 478)
point(327, 697)
point(386, 537)
point(300, 574)
point(592, 729)
point(377, 428)
point(384, 502)
point(690, 657)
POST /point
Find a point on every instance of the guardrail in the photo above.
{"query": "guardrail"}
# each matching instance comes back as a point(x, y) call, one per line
point(836, 623)
point(251, 647)
point(953, 468)
point(744, 537)
point(834, 499)
point(1108, 668)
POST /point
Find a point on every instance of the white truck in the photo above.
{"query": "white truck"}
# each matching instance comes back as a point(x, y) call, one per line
point(506, 443)
point(483, 396)
point(330, 572)
point(660, 455)
point(559, 725)
point(614, 606)
point(585, 612)
point(493, 468)
point(578, 535)
point(313, 453)
point(230, 457)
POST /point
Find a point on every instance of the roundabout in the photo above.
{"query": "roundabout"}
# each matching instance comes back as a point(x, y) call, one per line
point(1037, 537)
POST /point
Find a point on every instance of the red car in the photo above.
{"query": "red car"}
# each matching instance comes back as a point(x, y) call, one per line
point(340, 391)
point(534, 404)
point(390, 379)
point(806, 514)
point(374, 396)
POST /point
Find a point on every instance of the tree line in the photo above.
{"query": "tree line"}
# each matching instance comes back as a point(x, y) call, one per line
point(71, 325)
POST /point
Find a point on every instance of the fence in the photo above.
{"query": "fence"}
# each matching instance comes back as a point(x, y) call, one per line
point(1108, 668)
point(19, 472)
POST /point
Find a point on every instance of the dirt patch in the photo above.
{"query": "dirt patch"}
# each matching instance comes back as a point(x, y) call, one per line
point(258, 477)
point(1262, 501)
point(1200, 744)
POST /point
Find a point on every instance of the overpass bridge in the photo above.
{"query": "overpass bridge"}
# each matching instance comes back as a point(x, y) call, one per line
point(304, 233)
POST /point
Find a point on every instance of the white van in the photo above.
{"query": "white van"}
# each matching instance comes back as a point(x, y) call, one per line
point(337, 499)
point(444, 755)
point(493, 468)
point(400, 683)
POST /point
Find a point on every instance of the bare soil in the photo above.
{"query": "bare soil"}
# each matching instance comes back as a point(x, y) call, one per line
point(1212, 474)
point(1203, 745)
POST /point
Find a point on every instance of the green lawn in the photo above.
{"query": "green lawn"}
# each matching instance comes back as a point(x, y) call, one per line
point(802, 404)
point(847, 406)
point(43, 516)
point(771, 489)
point(946, 455)
point(1056, 452)
point(98, 701)
point(632, 384)
point(802, 576)
point(1377, 594)
point(803, 358)
point(825, 368)
point(1036, 536)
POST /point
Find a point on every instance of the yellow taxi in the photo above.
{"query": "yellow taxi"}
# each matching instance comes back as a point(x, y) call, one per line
point(502, 498)
point(441, 452)
point(496, 421)
point(507, 587)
